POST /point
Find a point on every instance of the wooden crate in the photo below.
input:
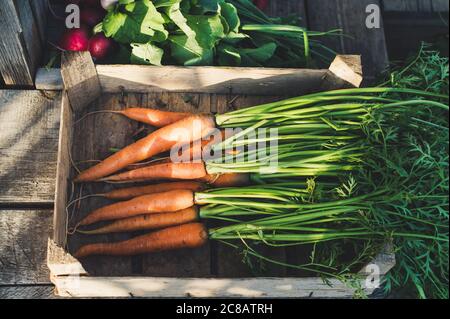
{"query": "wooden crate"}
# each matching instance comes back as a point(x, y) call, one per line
point(210, 271)
point(24, 24)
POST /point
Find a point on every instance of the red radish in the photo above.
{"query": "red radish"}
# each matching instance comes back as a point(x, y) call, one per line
point(261, 4)
point(91, 3)
point(91, 16)
point(75, 39)
point(100, 46)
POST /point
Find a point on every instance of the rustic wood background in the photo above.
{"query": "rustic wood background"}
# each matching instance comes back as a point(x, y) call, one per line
point(29, 123)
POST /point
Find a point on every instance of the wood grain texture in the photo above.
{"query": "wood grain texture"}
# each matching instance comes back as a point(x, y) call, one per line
point(28, 292)
point(40, 12)
point(15, 65)
point(212, 80)
point(29, 122)
point(285, 8)
point(112, 287)
point(62, 172)
point(219, 80)
point(80, 79)
point(30, 33)
point(416, 5)
point(350, 16)
point(23, 246)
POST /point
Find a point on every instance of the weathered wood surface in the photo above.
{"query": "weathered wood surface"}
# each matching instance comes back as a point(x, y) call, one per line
point(28, 292)
point(286, 8)
point(23, 246)
point(350, 16)
point(113, 287)
point(29, 122)
point(416, 6)
point(80, 79)
point(16, 67)
point(40, 12)
point(220, 80)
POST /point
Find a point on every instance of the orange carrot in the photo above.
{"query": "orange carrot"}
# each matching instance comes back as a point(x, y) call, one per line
point(129, 193)
point(226, 180)
point(184, 171)
point(185, 131)
point(184, 236)
point(149, 221)
point(153, 117)
point(166, 202)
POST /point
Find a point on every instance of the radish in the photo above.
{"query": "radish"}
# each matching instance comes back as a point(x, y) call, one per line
point(107, 4)
point(261, 4)
point(91, 16)
point(100, 46)
point(75, 39)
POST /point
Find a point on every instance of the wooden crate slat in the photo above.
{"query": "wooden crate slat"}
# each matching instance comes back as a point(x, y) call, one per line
point(28, 292)
point(350, 16)
point(30, 31)
point(29, 122)
point(40, 12)
point(422, 6)
point(16, 67)
point(85, 287)
point(284, 8)
point(23, 246)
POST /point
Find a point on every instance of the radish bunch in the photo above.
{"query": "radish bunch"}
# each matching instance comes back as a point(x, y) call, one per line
point(82, 39)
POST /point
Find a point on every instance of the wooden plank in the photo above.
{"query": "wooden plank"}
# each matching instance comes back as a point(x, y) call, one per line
point(217, 80)
point(62, 172)
point(30, 33)
point(15, 65)
point(29, 122)
point(110, 287)
point(49, 79)
point(40, 12)
point(23, 246)
point(286, 8)
point(80, 79)
point(350, 16)
point(407, 5)
point(28, 292)
point(416, 6)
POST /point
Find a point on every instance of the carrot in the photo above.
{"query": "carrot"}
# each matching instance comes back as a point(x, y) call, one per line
point(184, 236)
point(148, 116)
point(227, 180)
point(185, 131)
point(129, 193)
point(153, 117)
point(170, 201)
point(149, 221)
point(186, 171)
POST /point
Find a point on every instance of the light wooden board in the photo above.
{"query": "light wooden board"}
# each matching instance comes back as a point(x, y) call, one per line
point(221, 80)
point(28, 292)
point(113, 287)
point(29, 122)
point(350, 16)
point(23, 246)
